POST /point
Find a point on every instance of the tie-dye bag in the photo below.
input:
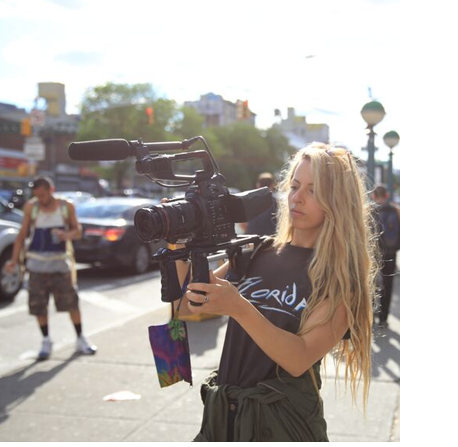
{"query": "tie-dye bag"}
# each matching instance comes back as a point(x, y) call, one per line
point(170, 346)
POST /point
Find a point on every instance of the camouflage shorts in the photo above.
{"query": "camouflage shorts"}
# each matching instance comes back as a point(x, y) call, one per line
point(41, 285)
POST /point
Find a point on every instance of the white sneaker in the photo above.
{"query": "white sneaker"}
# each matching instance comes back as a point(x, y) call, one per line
point(46, 349)
point(84, 347)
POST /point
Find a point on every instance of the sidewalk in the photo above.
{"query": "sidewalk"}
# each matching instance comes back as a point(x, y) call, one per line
point(62, 399)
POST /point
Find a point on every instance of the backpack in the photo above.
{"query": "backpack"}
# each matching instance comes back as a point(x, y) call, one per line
point(389, 226)
point(68, 244)
point(36, 207)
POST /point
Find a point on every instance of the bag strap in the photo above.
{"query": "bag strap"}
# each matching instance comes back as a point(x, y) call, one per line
point(34, 215)
point(68, 243)
point(36, 208)
point(71, 254)
point(266, 241)
point(63, 207)
point(25, 247)
point(64, 212)
point(183, 291)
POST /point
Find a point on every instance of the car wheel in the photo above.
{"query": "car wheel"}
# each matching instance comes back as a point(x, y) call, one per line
point(142, 260)
point(10, 284)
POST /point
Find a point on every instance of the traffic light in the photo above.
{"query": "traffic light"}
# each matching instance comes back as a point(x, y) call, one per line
point(245, 110)
point(23, 170)
point(150, 115)
point(26, 128)
point(239, 105)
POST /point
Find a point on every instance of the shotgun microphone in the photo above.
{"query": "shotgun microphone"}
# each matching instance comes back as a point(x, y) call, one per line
point(119, 149)
point(103, 150)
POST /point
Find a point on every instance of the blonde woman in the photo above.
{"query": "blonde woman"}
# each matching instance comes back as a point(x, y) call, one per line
point(311, 290)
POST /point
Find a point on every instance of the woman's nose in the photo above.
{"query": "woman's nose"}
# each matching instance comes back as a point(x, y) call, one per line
point(297, 197)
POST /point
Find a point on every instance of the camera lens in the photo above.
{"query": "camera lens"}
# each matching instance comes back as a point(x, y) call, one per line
point(148, 224)
point(169, 221)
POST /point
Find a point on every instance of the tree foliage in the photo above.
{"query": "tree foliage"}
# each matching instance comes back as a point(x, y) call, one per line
point(119, 111)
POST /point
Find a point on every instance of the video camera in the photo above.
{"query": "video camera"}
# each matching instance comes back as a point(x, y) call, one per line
point(203, 220)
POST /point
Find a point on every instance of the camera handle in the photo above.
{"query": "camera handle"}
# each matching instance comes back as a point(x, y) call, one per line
point(200, 270)
point(171, 290)
point(200, 267)
point(170, 285)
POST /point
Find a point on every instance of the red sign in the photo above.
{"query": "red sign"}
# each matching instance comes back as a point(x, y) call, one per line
point(10, 163)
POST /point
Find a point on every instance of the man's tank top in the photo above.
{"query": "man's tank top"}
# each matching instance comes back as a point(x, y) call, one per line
point(46, 246)
point(278, 285)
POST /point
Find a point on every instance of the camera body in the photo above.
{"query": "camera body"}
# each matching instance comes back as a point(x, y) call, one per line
point(207, 213)
point(204, 217)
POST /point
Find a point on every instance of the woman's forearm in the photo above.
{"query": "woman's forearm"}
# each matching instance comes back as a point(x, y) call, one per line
point(293, 353)
point(284, 348)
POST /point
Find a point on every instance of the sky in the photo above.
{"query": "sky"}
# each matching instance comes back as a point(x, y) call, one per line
point(324, 58)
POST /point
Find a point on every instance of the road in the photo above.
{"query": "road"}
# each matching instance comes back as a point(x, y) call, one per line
point(109, 297)
point(63, 399)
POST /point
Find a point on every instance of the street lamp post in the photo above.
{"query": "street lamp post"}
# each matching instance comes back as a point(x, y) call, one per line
point(372, 113)
point(391, 139)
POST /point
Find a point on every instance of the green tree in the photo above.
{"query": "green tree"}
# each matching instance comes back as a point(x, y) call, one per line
point(279, 149)
point(119, 111)
point(243, 148)
point(188, 123)
point(247, 151)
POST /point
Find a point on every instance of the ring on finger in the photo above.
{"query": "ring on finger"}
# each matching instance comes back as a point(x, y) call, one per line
point(206, 299)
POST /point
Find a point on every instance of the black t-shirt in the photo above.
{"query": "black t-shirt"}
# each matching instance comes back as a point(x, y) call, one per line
point(277, 284)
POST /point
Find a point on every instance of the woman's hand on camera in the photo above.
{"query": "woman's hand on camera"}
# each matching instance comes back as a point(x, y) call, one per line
point(221, 297)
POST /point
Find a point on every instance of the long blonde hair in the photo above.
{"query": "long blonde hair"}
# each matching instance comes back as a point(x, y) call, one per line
point(344, 265)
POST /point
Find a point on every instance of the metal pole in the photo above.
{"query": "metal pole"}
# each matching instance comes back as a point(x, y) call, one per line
point(371, 158)
point(390, 175)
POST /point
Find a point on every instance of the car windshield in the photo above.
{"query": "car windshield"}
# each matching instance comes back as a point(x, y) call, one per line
point(6, 194)
point(98, 210)
point(4, 207)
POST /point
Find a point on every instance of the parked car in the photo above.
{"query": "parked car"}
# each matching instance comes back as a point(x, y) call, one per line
point(16, 197)
point(9, 212)
point(74, 196)
point(109, 236)
point(10, 284)
point(130, 192)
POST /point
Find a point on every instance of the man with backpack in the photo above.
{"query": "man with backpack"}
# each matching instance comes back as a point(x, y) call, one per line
point(387, 216)
point(51, 225)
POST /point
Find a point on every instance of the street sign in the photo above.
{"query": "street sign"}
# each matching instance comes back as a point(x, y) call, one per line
point(37, 118)
point(34, 148)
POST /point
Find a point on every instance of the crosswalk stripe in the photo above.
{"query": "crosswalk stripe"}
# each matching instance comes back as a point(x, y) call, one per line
point(100, 300)
point(95, 298)
point(14, 310)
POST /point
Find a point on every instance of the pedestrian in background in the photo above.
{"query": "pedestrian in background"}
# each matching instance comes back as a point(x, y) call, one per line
point(265, 223)
point(307, 291)
point(51, 224)
point(388, 218)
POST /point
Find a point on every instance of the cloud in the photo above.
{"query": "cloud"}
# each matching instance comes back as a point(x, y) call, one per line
point(80, 58)
point(240, 50)
point(69, 4)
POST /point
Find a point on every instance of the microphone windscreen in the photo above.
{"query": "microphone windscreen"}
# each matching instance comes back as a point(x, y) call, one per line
point(103, 150)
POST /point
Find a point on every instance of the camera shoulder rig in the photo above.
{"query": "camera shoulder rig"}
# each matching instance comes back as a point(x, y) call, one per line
point(238, 262)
